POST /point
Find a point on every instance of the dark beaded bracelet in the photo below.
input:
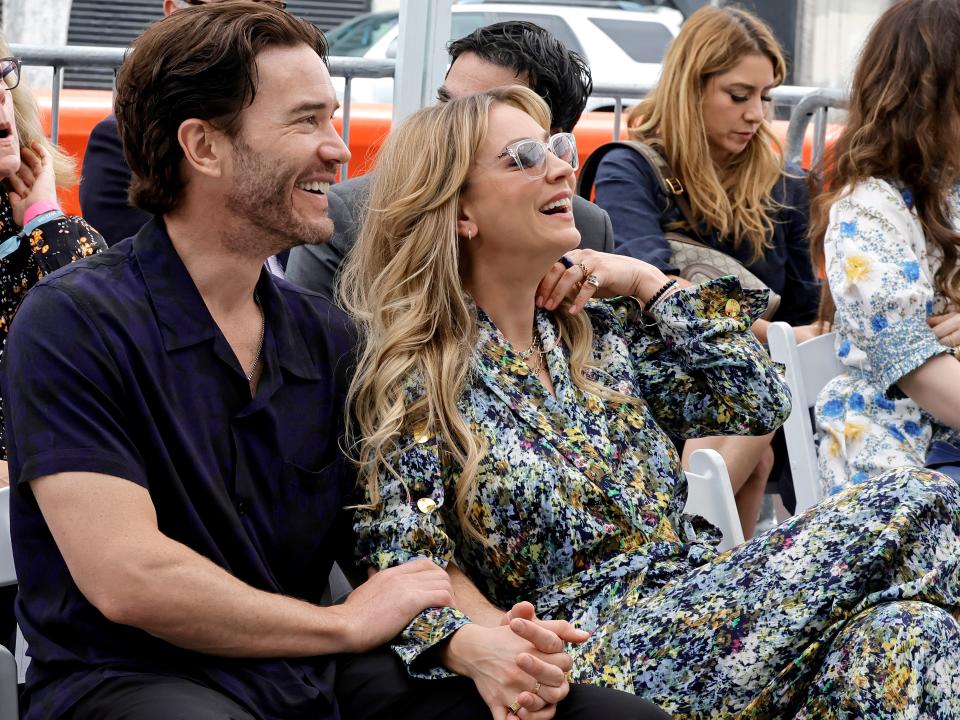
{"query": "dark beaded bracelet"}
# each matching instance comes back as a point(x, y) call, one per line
point(658, 294)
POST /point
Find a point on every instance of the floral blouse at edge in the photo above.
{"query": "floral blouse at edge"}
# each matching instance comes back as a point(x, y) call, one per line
point(880, 271)
point(574, 492)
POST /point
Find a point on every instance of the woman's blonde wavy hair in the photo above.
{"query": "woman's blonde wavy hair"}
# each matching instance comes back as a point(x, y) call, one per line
point(734, 199)
point(30, 129)
point(402, 284)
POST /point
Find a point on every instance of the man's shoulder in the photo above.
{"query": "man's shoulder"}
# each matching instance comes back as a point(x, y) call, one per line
point(315, 313)
point(103, 278)
point(105, 134)
point(593, 223)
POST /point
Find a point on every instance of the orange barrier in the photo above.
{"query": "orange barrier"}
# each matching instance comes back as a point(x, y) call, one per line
point(80, 110)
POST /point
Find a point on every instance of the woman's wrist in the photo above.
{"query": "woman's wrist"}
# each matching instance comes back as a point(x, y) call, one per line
point(454, 654)
point(649, 280)
point(35, 209)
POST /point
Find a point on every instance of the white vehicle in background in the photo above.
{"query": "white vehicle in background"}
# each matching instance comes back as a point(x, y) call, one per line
point(620, 46)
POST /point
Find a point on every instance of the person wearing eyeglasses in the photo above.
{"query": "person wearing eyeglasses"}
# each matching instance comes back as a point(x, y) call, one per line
point(105, 181)
point(512, 406)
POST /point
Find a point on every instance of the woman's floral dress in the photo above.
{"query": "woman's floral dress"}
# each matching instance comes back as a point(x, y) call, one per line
point(880, 271)
point(849, 610)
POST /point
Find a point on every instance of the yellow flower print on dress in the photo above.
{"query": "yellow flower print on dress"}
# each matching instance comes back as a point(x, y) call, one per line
point(858, 268)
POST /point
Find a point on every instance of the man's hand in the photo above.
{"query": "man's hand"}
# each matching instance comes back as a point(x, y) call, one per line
point(385, 604)
point(947, 328)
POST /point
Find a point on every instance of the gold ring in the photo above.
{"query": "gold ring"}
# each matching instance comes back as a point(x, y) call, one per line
point(536, 688)
point(583, 269)
point(514, 707)
point(593, 280)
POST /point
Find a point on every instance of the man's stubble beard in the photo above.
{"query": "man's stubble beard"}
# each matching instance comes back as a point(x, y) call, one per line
point(260, 199)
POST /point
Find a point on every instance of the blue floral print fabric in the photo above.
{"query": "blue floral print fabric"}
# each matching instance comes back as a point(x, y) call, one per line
point(881, 272)
point(580, 501)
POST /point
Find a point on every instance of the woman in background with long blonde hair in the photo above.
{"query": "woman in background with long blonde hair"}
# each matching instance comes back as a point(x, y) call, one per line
point(513, 428)
point(707, 118)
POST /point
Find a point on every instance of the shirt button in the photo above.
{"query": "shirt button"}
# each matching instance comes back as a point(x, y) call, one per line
point(427, 505)
point(732, 308)
point(241, 508)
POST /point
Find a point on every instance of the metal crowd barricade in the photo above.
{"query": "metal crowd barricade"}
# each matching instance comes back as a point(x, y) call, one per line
point(814, 104)
point(59, 58)
point(807, 102)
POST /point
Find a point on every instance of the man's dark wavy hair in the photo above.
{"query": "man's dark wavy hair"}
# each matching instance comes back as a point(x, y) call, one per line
point(558, 75)
point(200, 62)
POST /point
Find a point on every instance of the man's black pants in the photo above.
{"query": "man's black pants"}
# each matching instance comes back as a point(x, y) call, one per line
point(374, 686)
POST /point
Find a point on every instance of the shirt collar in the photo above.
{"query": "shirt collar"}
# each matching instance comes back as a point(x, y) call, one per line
point(183, 316)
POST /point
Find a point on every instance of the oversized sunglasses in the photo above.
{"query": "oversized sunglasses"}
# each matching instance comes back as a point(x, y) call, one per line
point(531, 155)
point(10, 72)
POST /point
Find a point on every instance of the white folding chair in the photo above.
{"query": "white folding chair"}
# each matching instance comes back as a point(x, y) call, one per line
point(8, 576)
point(710, 495)
point(810, 365)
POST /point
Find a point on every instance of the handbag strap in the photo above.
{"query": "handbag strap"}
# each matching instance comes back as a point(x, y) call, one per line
point(667, 179)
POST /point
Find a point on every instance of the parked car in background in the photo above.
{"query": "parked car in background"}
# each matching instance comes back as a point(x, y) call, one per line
point(621, 46)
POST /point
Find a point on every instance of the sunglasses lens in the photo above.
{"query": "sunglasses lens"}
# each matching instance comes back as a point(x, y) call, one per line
point(564, 147)
point(530, 157)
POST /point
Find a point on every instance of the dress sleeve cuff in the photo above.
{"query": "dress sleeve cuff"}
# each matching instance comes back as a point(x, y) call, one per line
point(717, 306)
point(427, 630)
point(899, 349)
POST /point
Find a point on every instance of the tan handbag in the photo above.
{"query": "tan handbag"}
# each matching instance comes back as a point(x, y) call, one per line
point(696, 260)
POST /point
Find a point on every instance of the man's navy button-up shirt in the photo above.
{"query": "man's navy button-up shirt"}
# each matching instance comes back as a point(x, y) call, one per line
point(139, 383)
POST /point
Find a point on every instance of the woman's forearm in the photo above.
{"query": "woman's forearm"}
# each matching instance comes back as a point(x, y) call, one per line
point(935, 386)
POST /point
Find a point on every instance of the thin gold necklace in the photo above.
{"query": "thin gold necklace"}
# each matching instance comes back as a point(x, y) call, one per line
point(263, 326)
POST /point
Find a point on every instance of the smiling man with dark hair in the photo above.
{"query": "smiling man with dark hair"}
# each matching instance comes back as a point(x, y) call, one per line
point(175, 447)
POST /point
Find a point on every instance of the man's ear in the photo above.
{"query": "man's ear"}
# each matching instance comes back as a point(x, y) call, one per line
point(204, 146)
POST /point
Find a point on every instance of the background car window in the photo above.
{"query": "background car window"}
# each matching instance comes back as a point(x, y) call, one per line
point(644, 42)
point(355, 38)
point(555, 24)
point(462, 23)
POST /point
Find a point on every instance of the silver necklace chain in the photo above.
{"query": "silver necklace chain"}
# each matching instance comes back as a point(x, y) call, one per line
point(263, 325)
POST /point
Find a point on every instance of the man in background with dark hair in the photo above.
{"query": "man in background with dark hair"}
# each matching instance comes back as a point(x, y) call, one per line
point(506, 53)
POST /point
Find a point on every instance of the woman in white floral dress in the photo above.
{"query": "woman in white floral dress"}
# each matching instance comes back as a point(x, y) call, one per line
point(888, 235)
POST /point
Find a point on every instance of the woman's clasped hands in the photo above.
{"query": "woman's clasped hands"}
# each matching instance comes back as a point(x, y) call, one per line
point(581, 275)
point(520, 667)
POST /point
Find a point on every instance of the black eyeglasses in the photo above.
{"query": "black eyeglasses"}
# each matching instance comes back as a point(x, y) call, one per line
point(278, 4)
point(10, 71)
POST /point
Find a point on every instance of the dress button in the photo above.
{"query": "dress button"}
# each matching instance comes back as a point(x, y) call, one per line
point(427, 505)
point(421, 436)
point(732, 308)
